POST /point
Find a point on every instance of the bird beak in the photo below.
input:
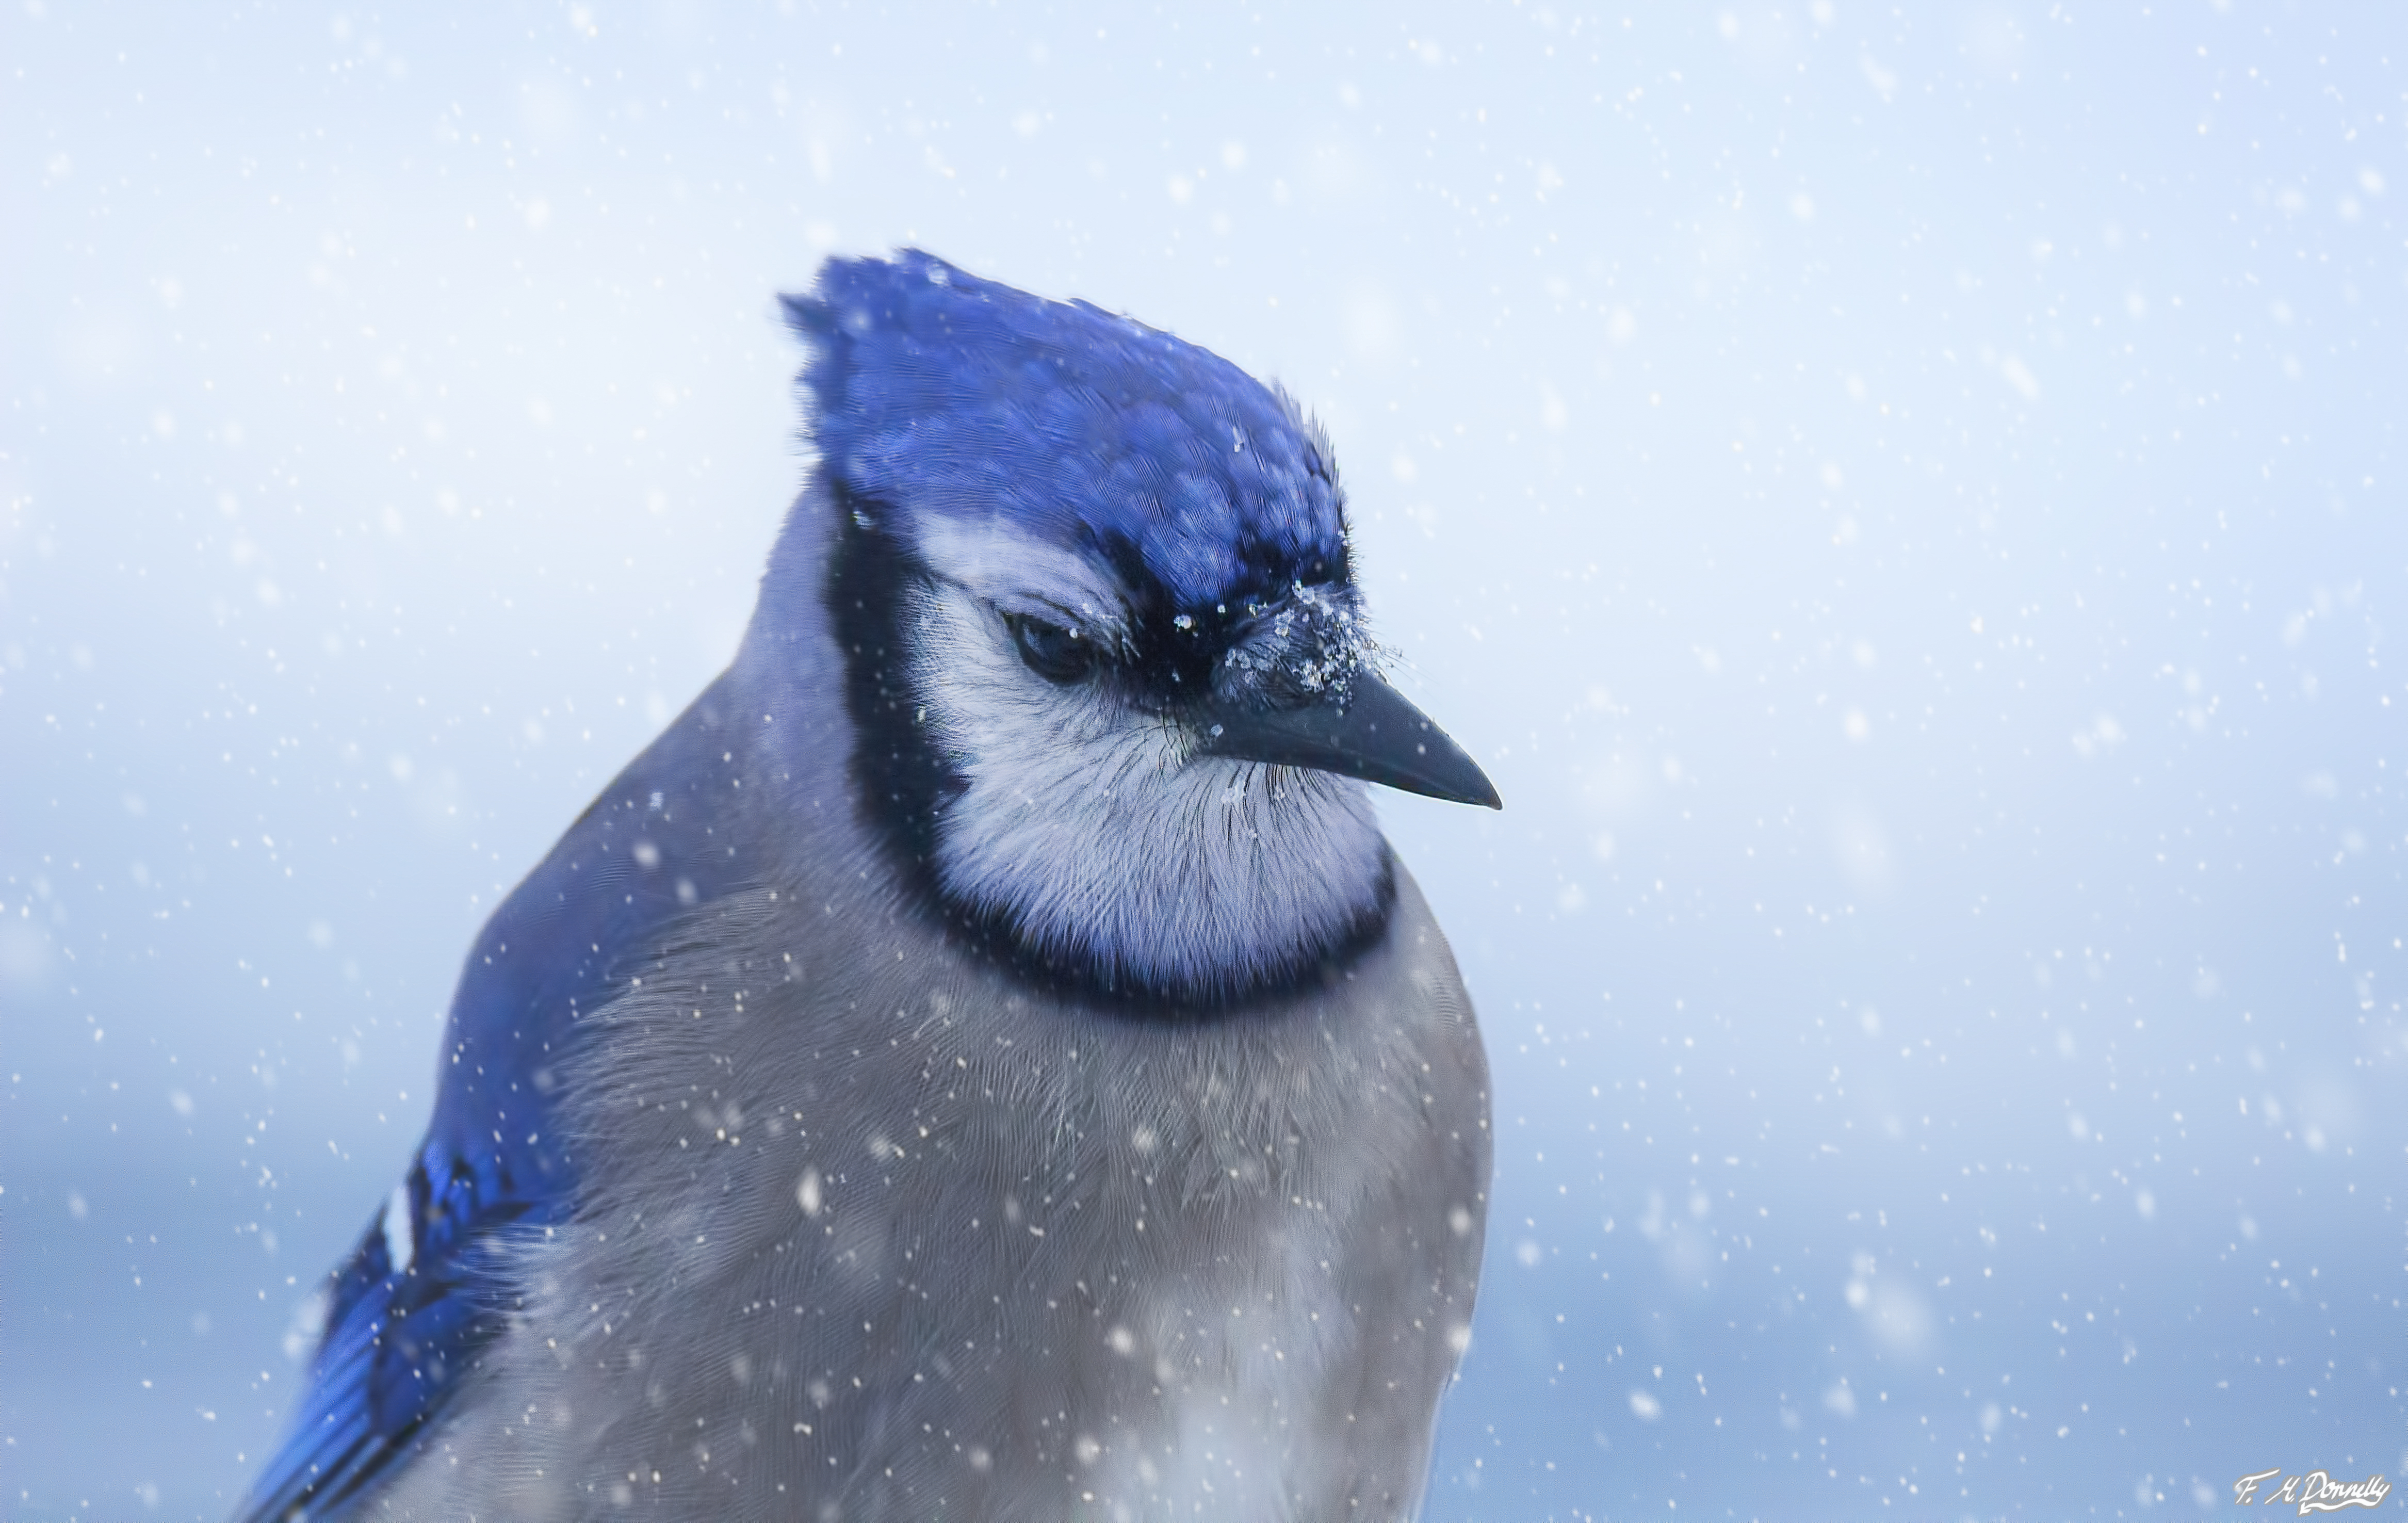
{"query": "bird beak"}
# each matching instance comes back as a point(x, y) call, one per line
point(1369, 731)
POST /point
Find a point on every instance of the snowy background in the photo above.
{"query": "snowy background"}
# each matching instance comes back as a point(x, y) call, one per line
point(1907, 506)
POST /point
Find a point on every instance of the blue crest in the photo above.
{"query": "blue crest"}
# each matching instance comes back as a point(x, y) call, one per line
point(939, 392)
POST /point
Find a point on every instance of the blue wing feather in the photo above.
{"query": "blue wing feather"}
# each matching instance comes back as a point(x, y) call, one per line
point(404, 1330)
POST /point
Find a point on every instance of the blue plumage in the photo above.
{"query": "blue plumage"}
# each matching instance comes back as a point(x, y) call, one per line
point(961, 397)
point(399, 1338)
point(1050, 716)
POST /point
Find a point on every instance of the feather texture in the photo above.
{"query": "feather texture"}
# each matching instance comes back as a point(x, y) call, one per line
point(926, 1083)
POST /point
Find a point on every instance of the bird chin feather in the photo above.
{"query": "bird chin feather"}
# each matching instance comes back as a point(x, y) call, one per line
point(1090, 828)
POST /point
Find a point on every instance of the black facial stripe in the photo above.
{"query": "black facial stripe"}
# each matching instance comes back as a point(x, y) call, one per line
point(900, 780)
point(903, 787)
point(1166, 663)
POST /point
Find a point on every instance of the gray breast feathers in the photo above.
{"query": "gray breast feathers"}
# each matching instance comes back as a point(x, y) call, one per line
point(934, 1248)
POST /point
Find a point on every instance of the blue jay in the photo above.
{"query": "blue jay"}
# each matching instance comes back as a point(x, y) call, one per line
point(983, 1060)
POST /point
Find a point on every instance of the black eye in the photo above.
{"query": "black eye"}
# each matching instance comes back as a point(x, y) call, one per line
point(1055, 654)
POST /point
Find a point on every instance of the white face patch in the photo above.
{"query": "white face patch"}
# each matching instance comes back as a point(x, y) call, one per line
point(1094, 828)
point(999, 565)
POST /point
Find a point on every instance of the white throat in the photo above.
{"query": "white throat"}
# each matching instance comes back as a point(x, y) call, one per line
point(1094, 833)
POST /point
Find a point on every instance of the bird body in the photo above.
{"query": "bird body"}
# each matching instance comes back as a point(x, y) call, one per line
point(982, 1062)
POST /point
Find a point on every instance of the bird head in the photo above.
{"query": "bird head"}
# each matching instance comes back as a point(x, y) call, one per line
point(1113, 696)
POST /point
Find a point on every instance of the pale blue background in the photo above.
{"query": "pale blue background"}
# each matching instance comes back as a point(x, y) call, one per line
point(1907, 504)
